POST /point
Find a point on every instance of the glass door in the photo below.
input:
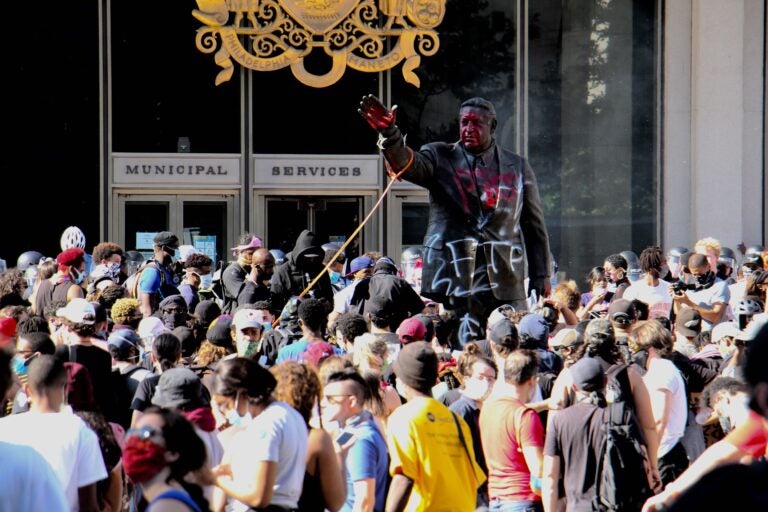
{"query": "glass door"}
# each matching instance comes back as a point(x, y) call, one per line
point(408, 217)
point(206, 222)
point(332, 218)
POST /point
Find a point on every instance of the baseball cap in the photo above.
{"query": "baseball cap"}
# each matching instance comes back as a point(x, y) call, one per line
point(358, 264)
point(504, 333)
point(78, 311)
point(622, 311)
point(497, 314)
point(411, 329)
point(246, 318)
point(385, 263)
point(688, 322)
point(598, 331)
point(587, 374)
point(166, 239)
point(564, 338)
point(151, 326)
point(123, 339)
point(219, 331)
point(255, 243)
point(534, 327)
point(179, 388)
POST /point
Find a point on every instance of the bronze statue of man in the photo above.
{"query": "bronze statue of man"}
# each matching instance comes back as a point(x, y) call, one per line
point(485, 215)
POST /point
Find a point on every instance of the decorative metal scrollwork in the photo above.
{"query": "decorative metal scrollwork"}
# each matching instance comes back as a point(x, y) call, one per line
point(365, 35)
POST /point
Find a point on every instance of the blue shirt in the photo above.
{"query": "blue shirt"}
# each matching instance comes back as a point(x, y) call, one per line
point(367, 458)
point(295, 351)
point(150, 280)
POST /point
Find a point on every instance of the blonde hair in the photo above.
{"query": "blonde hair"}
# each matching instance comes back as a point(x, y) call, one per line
point(709, 243)
point(370, 351)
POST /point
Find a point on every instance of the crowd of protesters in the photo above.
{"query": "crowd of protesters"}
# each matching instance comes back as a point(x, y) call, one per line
point(305, 381)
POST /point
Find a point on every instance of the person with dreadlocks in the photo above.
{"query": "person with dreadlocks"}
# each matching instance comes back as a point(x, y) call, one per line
point(651, 289)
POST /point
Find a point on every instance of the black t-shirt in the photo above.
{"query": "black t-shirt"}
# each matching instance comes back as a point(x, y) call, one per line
point(470, 412)
point(144, 393)
point(99, 365)
point(575, 436)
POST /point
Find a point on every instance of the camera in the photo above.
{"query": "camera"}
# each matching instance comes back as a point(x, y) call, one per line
point(680, 287)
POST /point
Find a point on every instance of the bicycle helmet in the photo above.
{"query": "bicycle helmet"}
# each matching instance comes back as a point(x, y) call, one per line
point(634, 272)
point(748, 307)
point(28, 259)
point(72, 237)
point(676, 252)
point(728, 257)
point(278, 255)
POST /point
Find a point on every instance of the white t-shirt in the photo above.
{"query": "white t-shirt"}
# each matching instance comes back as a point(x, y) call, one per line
point(279, 434)
point(65, 441)
point(657, 297)
point(736, 290)
point(663, 375)
point(718, 293)
point(27, 481)
point(343, 299)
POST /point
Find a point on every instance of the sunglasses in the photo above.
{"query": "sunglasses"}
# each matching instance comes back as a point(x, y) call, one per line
point(143, 433)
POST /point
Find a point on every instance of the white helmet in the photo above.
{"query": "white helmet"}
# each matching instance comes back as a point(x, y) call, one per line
point(72, 237)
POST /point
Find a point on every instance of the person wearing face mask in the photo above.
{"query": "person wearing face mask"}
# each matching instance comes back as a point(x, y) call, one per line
point(160, 453)
point(479, 375)
point(265, 440)
point(28, 347)
point(256, 285)
point(64, 285)
point(197, 276)
point(615, 267)
point(233, 277)
point(61, 438)
point(304, 263)
point(248, 327)
point(157, 278)
point(107, 261)
point(125, 348)
point(173, 311)
point(709, 295)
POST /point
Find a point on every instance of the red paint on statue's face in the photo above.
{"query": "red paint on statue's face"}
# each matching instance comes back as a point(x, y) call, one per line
point(476, 126)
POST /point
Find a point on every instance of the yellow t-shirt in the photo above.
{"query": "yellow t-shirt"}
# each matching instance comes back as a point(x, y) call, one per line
point(424, 445)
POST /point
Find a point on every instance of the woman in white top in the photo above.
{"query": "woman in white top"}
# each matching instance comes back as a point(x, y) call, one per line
point(265, 443)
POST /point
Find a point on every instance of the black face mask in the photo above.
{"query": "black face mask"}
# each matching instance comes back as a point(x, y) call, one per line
point(705, 280)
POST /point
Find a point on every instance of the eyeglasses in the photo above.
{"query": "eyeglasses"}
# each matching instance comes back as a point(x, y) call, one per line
point(143, 433)
point(336, 399)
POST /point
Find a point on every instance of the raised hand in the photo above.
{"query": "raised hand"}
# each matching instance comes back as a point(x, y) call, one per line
point(376, 114)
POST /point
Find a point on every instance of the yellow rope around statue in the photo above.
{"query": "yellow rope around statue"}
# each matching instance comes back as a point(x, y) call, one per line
point(394, 178)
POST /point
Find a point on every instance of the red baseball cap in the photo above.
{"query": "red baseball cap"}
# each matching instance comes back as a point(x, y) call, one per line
point(411, 329)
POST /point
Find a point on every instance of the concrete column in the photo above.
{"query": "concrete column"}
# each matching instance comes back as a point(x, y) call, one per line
point(720, 185)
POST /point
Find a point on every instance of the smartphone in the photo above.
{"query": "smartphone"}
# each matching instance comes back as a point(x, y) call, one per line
point(343, 438)
point(743, 321)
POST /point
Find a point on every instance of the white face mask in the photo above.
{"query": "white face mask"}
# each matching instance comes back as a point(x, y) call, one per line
point(476, 389)
point(206, 281)
point(234, 418)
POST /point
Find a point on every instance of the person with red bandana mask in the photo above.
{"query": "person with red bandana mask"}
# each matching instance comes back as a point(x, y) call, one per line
point(485, 215)
point(160, 453)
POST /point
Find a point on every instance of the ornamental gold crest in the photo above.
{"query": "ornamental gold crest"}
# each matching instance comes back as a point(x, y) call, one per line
point(366, 35)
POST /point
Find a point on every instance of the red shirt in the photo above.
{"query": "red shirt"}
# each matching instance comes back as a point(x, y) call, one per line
point(508, 474)
point(752, 436)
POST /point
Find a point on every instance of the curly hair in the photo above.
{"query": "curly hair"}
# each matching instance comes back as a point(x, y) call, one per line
point(104, 250)
point(198, 260)
point(125, 310)
point(208, 353)
point(352, 325)
point(12, 281)
point(299, 386)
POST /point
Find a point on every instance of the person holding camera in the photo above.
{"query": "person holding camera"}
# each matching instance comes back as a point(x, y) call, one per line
point(709, 295)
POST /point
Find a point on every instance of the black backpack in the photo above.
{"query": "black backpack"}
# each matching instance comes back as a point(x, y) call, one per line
point(621, 476)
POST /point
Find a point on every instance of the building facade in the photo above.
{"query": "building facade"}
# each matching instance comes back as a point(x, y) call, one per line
point(644, 121)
